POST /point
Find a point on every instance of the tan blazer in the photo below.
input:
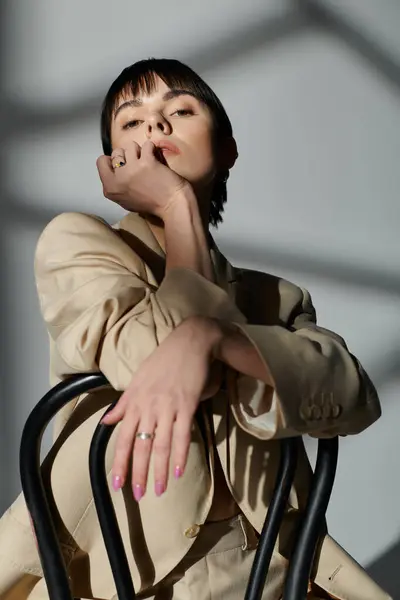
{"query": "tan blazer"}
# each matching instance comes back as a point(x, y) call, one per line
point(107, 304)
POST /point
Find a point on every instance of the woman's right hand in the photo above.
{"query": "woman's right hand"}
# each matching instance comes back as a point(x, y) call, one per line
point(143, 184)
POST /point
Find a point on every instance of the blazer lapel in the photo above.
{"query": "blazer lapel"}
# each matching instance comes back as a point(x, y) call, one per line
point(226, 276)
point(136, 232)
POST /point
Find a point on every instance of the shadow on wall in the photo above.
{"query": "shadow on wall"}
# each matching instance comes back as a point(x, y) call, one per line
point(235, 44)
point(385, 570)
point(5, 325)
point(363, 45)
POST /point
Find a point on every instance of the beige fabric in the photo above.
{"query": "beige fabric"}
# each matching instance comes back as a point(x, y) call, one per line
point(107, 305)
point(218, 566)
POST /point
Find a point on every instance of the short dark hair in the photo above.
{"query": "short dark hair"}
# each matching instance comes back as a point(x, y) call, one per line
point(141, 76)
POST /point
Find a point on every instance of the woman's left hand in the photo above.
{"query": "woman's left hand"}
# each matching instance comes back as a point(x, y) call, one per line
point(162, 399)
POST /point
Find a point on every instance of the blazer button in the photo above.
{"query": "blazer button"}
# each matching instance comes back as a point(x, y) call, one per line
point(336, 410)
point(316, 412)
point(326, 411)
point(192, 531)
point(306, 412)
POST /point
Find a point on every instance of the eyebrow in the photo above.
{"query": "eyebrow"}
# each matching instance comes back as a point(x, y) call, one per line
point(135, 102)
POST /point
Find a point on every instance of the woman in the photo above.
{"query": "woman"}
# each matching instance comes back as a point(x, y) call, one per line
point(215, 364)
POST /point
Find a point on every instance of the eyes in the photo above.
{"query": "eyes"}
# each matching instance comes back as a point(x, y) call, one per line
point(183, 112)
point(180, 112)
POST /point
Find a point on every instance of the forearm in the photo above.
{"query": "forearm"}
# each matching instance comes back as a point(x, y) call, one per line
point(185, 237)
point(230, 346)
point(236, 351)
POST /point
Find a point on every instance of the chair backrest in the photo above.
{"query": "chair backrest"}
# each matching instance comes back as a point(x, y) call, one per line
point(54, 570)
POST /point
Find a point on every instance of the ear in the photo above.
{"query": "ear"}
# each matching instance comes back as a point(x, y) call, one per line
point(228, 153)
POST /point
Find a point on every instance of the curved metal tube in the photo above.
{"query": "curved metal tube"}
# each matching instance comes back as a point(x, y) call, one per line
point(49, 549)
point(32, 485)
point(106, 513)
point(313, 520)
point(273, 520)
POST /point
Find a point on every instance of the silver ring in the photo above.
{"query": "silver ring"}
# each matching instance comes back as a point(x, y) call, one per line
point(142, 435)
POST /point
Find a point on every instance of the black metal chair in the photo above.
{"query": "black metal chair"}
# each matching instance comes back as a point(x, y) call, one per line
point(309, 532)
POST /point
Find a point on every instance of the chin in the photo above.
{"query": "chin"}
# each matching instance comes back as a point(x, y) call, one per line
point(198, 181)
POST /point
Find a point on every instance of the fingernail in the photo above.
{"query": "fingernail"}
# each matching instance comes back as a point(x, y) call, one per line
point(117, 482)
point(178, 472)
point(160, 488)
point(138, 492)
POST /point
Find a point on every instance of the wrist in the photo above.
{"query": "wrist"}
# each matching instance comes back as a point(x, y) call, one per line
point(186, 242)
point(181, 206)
point(209, 330)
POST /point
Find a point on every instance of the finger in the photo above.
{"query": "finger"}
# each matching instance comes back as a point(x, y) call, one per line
point(123, 447)
point(117, 413)
point(141, 458)
point(118, 158)
point(162, 453)
point(182, 434)
point(106, 172)
point(148, 150)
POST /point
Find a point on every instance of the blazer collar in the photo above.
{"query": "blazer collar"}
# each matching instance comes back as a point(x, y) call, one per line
point(225, 273)
point(137, 226)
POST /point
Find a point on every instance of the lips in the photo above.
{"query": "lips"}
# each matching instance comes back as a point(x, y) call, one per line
point(165, 146)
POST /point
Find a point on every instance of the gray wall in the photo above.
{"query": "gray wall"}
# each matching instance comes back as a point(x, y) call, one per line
point(313, 90)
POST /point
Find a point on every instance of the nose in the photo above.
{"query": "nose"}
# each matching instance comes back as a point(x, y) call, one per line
point(156, 123)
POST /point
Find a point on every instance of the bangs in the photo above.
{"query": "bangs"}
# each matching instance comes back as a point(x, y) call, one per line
point(142, 79)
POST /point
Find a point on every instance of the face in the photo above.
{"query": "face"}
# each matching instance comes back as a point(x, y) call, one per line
point(175, 121)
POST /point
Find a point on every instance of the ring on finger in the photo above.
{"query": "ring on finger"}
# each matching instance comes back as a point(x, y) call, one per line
point(143, 435)
point(118, 164)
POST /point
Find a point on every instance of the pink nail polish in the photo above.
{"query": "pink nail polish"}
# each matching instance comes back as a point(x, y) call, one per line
point(138, 492)
point(178, 472)
point(117, 482)
point(159, 488)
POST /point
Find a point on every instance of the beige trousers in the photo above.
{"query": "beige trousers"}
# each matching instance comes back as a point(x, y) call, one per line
point(218, 566)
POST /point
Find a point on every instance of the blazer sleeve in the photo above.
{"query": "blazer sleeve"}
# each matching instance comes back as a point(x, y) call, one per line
point(101, 312)
point(320, 388)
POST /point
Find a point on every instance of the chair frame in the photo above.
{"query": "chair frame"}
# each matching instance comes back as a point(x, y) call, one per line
point(309, 533)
